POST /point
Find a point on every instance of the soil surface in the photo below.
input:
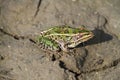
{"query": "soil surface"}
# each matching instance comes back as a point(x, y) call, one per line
point(22, 59)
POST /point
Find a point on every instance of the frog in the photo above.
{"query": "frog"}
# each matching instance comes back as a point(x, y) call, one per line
point(63, 38)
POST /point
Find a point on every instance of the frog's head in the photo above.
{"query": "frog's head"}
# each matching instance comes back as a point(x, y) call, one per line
point(82, 35)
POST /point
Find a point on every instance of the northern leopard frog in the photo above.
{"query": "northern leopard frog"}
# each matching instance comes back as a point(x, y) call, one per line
point(63, 37)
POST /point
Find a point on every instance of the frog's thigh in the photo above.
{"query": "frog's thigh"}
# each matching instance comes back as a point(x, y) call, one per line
point(49, 44)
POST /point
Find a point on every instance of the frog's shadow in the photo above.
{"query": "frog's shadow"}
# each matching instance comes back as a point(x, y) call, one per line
point(99, 37)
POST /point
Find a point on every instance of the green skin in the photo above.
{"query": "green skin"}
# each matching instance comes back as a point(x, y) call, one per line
point(49, 43)
point(64, 37)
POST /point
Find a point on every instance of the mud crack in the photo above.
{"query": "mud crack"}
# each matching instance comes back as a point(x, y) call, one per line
point(16, 37)
point(38, 8)
point(12, 35)
point(62, 65)
point(111, 65)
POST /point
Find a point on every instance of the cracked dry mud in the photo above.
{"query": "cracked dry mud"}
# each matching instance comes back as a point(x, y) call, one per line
point(22, 59)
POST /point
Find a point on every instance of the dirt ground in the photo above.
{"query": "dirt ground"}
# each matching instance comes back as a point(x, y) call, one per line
point(22, 59)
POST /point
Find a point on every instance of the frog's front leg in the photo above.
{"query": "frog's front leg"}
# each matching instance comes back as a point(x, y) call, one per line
point(63, 46)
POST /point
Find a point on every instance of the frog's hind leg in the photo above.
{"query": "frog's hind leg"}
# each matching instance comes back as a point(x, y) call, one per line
point(50, 47)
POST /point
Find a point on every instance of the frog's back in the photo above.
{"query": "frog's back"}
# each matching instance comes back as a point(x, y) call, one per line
point(62, 30)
